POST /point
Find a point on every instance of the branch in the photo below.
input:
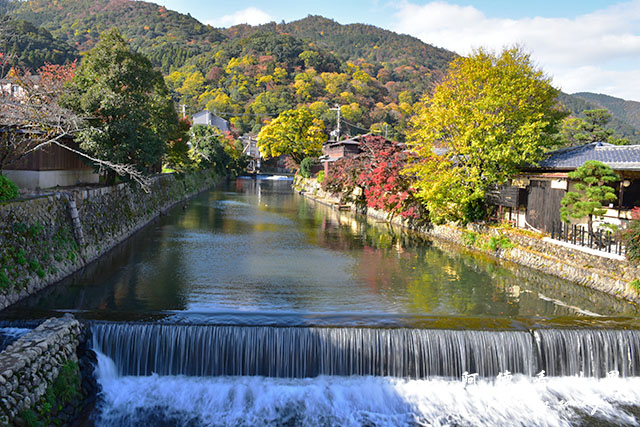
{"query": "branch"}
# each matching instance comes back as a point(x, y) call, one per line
point(120, 169)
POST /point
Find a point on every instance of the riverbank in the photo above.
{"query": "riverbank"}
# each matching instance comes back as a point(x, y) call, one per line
point(612, 276)
point(45, 239)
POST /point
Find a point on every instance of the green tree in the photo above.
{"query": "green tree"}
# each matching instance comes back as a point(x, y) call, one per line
point(212, 149)
point(127, 105)
point(577, 131)
point(592, 192)
point(491, 114)
point(297, 133)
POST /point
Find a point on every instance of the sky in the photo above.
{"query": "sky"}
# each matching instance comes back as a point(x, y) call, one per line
point(589, 45)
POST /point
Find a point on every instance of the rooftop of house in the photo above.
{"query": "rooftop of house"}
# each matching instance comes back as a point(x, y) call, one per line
point(618, 157)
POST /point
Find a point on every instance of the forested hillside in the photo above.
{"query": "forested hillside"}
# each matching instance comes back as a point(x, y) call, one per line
point(250, 74)
point(260, 75)
point(627, 111)
point(31, 47)
point(577, 103)
point(168, 38)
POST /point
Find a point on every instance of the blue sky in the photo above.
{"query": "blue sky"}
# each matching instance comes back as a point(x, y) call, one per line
point(590, 45)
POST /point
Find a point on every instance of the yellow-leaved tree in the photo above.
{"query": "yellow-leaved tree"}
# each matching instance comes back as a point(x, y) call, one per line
point(490, 115)
point(297, 133)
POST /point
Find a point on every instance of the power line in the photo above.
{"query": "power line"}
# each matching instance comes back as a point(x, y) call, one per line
point(354, 126)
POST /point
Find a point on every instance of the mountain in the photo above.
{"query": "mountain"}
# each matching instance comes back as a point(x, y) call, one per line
point(357, 42)
point(626, 111)
point(620, 122)
point(31, 47)
point(249, 74)
point(168, 38)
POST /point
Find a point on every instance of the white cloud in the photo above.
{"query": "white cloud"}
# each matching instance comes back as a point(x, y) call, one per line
point(250, 15)
point(597, 52)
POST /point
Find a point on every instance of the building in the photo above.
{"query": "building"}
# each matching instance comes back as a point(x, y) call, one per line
point(250, 148)
point(51, 166)
point(534, 198)
point(335, 150)
point(207, 118)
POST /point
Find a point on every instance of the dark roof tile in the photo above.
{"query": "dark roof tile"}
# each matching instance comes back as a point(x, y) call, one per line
point(618, 157)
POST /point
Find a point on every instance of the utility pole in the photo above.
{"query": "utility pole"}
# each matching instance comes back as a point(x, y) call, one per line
point(337, 131)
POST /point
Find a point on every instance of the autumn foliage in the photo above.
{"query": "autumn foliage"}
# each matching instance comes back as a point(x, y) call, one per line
point(376, 173)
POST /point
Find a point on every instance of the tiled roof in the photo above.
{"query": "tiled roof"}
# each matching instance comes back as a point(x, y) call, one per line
point(618, 157)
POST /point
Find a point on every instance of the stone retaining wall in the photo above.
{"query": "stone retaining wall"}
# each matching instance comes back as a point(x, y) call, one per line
point(612, 276)
point(32, 363)
point(44, 239)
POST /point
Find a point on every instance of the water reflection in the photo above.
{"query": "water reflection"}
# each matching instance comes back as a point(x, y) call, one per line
point(258, 247)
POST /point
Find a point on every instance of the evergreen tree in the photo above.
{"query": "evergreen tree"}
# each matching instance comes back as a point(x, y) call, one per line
point(127, 105)
point(592, 192)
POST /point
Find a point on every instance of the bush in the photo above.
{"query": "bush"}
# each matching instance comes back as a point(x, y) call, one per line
point(8, 190)
point(631, 237)
point(306, 165)
point(499, 242)
point(474, 210)
point(469, 238)
point(320, 177)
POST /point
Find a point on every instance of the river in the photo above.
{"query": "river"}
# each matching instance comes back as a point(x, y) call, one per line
point(252, 305)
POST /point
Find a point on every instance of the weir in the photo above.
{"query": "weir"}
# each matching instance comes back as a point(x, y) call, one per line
point(302, 352)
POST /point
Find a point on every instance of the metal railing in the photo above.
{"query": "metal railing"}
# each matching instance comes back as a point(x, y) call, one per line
point(600, 240)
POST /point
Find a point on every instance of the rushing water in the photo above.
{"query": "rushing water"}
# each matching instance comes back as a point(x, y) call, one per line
point(10, 334)
point(254, 306)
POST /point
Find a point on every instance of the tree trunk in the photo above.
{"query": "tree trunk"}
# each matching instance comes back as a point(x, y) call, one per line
point(110, 177)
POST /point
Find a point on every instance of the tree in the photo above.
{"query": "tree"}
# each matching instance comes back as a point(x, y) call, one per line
point(31, 116)
point(592, 192)
point(577, 131)
point(177, 157)
point(297, 133)
point(127, 105)
point(210, 148)
point(491, 114)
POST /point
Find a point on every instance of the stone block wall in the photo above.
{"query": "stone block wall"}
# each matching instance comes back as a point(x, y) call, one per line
point(44, 239)
point(32, 363)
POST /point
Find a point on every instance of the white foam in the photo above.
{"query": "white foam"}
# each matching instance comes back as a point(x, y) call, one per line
point(354, 401)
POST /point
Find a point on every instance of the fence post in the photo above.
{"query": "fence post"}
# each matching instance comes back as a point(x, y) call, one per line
point(599, 238)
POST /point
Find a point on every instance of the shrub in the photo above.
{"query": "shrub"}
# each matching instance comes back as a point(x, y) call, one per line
point(8, 190)
point(306, 165)
point(635, 284)
point(474, 210)
point(469, 238)
point(631, 237)
point(320, 177)
point(4, 280)
point(499, 242)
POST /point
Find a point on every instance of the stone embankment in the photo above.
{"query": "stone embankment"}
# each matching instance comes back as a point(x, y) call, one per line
point(31, 365)
point(613, 276)
point(44, 239)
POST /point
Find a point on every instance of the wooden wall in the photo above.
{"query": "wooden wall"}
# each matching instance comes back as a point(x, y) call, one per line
point(543, 205)
point(51, 158)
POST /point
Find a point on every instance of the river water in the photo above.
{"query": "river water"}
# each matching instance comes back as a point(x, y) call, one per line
point(252, 305)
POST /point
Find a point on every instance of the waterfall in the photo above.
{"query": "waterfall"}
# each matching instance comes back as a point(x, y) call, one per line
point(301, 352)
point(590, 352)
